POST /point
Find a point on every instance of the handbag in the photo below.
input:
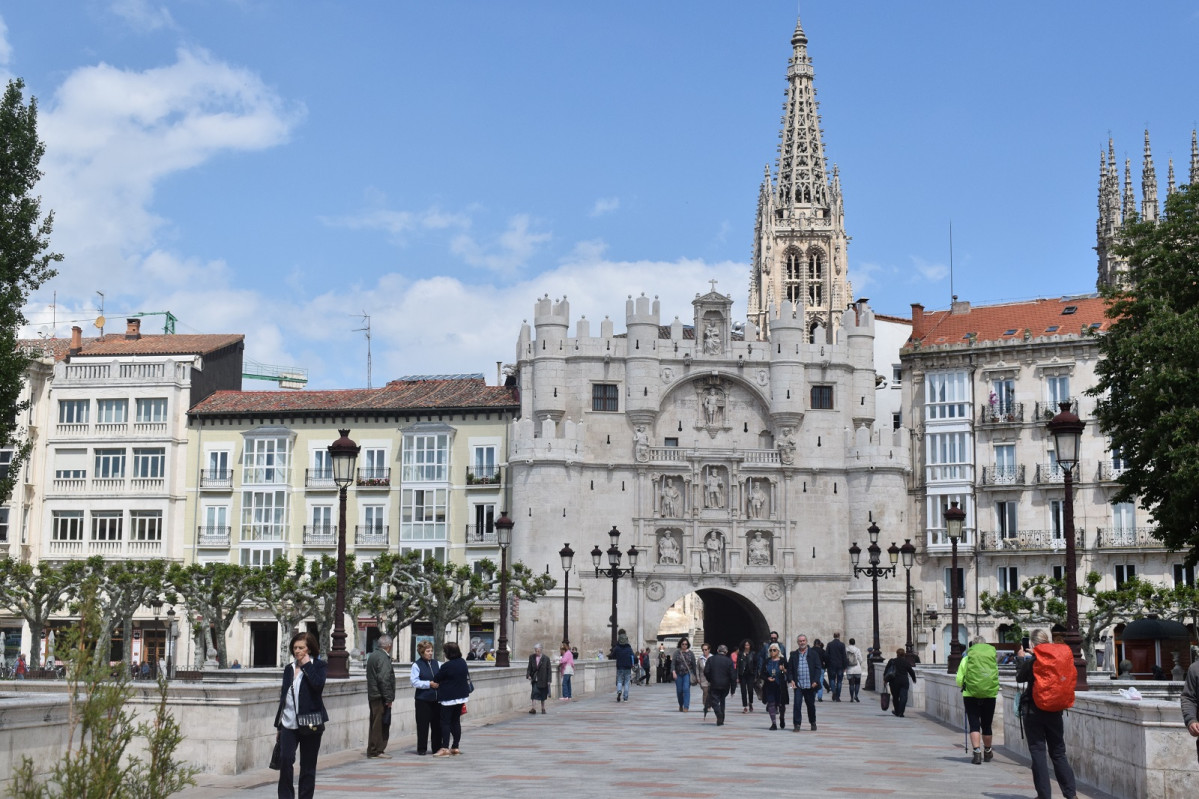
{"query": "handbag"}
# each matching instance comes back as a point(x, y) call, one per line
point(386, 717)
point(463, 709)
point(886, 700)
point(274, 764)
point(312, 721)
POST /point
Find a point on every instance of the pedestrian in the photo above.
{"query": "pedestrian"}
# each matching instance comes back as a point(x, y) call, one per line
point(807, 670)
point(853, 670)
point(721, 675)
point(705, 652)
point(644, 666)
point(453, 687)
point(663, 663)
point(1044, 729)
point(622, 653)
point(836, 666)
point(538, 673)
point(774, 685)
point(682, 671)
point(773, 639)
point(566, 669)
point(818, 645)
point(300, 718)
point(135, 670)
point(21, 669)
point(747, 674)
point(900, 669)
point(236, 664)
point(978, 676)
point(424, 692)
point(1190, 702)
point(380, 693)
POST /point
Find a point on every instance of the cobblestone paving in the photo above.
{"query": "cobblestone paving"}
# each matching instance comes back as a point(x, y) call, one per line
point(645, 747)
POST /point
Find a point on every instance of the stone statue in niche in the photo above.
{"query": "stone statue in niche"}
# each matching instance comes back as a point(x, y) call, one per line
point(670, 500)
point(786, 447)
point(668, 549)
point(713, 406)
point(714, 549)
point(759, 501)
point(713, 488)
point(712, 345)
point(759, 550)
point(640, 444)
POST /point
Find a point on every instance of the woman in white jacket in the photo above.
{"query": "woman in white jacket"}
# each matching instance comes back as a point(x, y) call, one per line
point(854, 659)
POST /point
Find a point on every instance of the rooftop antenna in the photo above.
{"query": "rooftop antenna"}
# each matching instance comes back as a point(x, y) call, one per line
point(366, 320)
point(100, 319)
point(953, 297)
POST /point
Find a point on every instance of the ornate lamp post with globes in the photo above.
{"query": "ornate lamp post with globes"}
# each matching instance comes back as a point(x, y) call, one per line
point(908, 553)
point(1066, 429)
point(503, 534)
point(873, 571)
point(568, 555)
point(344, 454)
point(614, 571)
point(955, 517)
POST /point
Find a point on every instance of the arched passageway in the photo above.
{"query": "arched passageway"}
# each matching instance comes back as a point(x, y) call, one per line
point(720, 616)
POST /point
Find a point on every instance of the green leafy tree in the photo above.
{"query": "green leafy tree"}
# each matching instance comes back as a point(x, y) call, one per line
point(214, 592)
point(25, 262)
point(35, 592)
point(124, 586)
point(96, 763)
point(1148, 385)
point(322, 575)
point(285, 589)
point(392, 611)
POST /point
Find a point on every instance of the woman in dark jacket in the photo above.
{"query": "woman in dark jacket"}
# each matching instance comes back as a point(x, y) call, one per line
point(747, 673)
point(301, 716)
point(453, 687)
point(774, 686)
point(899, 683)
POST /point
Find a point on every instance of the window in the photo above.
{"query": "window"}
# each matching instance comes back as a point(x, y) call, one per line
point(1005, 517)
point(1009, 580)
point(1058, 573)
point(112, 411)
point(260, 557)
point(264, 516)
point(145, 525)
point(1184, 575)
point(949, 456)
point(374, 518)
point(1005, 465)
point(436, 553)
point(152, 410)
point(374, 464)
point(218, 463)
point(68, 525)
point(72, 411)
point(1124, 573)
point(110, 464)
point(423, 514)
point(216, 519)
point(266, 460)
point(961, 586)
point(70, 464)
point(1119, 464)
point(106, 525)
point(1057, 390)
point(1003, 396)
point(6, 456)
point(322, 465)
point(948, 395)
point(426, 457)
point(605, 397)
point(896, 421)
point(1057, 518)
point(150, 463)
point(3, 525)
point(674, 442)
point(822, 398)
point(935, 506)
point(483, 465)
point(896, 375)
point(484, 522)
point(322, 519)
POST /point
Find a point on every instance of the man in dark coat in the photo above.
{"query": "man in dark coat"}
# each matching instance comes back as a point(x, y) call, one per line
point(837, 664)
point(721, 675)
point(804, 668)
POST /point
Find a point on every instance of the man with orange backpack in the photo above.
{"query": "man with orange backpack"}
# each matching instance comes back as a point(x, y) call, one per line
point(1050, 673)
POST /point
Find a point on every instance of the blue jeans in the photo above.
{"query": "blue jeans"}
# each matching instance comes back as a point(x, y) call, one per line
point(682, 687)
point(622, 682)
point(835, 677)
point(566, 685)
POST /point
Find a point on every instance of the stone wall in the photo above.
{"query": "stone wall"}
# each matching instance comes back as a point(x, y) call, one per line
point(228, 724)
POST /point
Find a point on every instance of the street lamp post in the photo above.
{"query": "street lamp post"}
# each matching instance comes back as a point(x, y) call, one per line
point(344, 454)
point(908, 553)
point(503, 534)
point(931, 618)
point(1066, 429)
point(614, 571)
point(568, 555)
point(172, 634)
point(873, 571)
point(955, 517)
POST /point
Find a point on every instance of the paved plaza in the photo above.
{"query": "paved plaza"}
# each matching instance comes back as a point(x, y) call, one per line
point(596, 747)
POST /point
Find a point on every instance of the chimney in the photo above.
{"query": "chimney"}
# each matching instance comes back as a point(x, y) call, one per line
point(917, 320)
point(959, 306)
point(133, 329)
point(76, 340)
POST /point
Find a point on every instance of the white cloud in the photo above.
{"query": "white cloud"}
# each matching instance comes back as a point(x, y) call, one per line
point(508, 254)
point(5, 46)
point(929, 270)
point(142, 15)
point(605, 205)
point(399, 223)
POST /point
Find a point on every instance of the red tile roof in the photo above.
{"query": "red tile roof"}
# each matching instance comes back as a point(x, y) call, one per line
point(117, 344)
point(398, 395)
point(1008, 321)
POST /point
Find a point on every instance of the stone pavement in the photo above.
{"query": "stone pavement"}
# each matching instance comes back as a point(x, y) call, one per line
point(597, 747)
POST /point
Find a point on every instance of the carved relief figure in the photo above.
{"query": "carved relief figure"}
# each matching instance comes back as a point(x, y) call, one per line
point(759, 550)
point(786, 447)
point(714, 548)
point(758, 500)
point(640, 444)
point(670, 498)
point(713, 406)
point(712, 339)
point(713, 489)
point(668, 549)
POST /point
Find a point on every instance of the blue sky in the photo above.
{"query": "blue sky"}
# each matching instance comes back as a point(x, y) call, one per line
point(277, 169)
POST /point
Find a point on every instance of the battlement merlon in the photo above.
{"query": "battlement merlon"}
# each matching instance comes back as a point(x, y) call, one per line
point(551, 313)
point(642, 311)
point(878, 447)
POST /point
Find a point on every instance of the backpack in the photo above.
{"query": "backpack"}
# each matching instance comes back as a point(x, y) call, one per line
point(1053, 678)
point(851, 657)
point(981, 676)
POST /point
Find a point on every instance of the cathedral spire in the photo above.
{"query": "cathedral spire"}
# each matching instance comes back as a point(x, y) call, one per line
point(1148, 185)
point(1170, 188)
point(1194, 178)
point(1130, 202)
point(802, 175)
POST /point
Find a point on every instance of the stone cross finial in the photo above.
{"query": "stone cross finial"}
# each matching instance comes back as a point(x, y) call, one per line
point(713, 282)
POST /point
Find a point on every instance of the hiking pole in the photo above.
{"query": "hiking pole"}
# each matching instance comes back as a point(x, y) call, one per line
point(966, 729)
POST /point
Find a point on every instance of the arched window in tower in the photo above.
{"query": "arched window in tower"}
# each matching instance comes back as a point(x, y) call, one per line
point(793, 276)
point(793, 261)
point(815, 294)
point(815, 265)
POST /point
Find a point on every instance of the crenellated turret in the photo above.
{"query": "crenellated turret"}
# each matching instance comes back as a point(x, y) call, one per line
point(551, 321)
point(642, 319)
point(859, 329)
point(788, 339)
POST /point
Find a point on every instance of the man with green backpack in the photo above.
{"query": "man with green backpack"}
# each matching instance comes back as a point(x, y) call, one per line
point(978, 676)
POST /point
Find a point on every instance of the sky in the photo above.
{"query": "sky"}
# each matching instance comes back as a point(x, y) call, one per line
point(283, 170)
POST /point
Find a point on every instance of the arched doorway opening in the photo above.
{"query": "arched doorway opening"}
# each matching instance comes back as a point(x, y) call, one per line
point(715, 616)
